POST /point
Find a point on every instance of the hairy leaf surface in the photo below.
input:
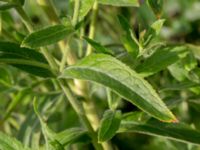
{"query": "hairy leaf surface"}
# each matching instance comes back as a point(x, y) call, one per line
point(110, 72)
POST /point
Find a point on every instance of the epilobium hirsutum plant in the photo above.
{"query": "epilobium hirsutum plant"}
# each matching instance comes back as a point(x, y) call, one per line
point(99, 74)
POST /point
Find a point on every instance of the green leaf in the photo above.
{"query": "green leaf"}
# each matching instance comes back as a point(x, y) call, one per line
point(157, 25)
point(128, 39)
point(85, 7)
point(15, 101)
point(109, 125)
point(185, 69)
point(98, 47)
point(7, 6)
point(161, 59)
point(50, 141)
point(72, 135)
point(174, 131)
point(113, 99)
point(153, 31)
point(110, 72)
point(156, 6)
point(25, 59)
point(128, 3)
point(47, 36)
point(9, 143)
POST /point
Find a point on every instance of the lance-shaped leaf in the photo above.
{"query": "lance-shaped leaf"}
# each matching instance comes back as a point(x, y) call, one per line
point(9, 143)
point(47, 36)
point(161, 59)
point(110, 72)
point(109, 125)
point(98, 47)
point(128, 3)
point(25, 59)
point(175, 131)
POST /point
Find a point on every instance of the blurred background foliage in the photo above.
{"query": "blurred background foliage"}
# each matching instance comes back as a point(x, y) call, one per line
point(178, 85)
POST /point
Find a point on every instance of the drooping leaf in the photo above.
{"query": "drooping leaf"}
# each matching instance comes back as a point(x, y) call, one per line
point(128, 3)
point(109, 125)
point(174, 131)
point(9, 143)
point(25, 59)
point(110, 72)
point(161, 59)
point(47, 36)
point(98, 47)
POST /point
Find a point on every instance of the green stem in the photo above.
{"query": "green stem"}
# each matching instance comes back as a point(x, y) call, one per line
point(76, 12)
point(81, 113)
point(77, 106)
point(92, 27)
point(48, 8)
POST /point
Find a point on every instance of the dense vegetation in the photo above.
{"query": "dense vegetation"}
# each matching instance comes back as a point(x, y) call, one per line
point(99, 74)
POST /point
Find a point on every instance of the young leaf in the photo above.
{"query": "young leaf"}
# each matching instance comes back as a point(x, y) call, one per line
point(98, 47)
point(128, 39)
point(163, 57)
point(9, 143)
point(153, 31)
point(25, 59)
point(110, 72)
point(47, 36)
point(109, 125)
point(176, 131)
point(128, 3)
